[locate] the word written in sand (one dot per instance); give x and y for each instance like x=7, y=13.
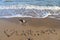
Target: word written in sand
x=30, y=32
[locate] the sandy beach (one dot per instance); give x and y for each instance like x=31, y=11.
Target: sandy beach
x=32, y=29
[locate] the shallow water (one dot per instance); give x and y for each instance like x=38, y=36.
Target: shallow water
x=30, y=8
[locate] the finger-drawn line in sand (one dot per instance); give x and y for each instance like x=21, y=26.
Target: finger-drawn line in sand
x=7, y=34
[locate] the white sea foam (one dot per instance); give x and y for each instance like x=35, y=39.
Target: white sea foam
x=30, y=7
x=37, y=11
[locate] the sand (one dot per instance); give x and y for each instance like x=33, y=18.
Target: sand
x=32, y=29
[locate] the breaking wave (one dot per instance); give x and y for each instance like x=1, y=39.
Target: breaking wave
x=26, y=6
x=31, y=11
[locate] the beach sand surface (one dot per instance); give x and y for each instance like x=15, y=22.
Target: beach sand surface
x=31, y=29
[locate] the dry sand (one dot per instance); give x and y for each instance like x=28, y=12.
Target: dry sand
x=32, y=29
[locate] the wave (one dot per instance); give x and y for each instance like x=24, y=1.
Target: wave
x=26, y=6
x=31, y=11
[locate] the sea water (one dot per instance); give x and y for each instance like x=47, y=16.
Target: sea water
x=29, y=8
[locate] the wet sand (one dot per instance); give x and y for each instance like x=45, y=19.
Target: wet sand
x=32, y=29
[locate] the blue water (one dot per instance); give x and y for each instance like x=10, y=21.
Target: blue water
x=31, y=2
x=34, y=13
